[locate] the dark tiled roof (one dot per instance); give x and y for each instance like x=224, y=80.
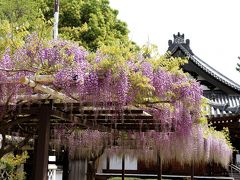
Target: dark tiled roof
x=224, y=111
x=213, y=72
x=223, y=105
x=185, y=48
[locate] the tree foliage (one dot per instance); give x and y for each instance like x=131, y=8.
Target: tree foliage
x=19, y=11
x=92, y=23
x=10, y=164
x=18, y=19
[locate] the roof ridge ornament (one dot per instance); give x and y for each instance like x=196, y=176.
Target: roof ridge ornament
x=178, y=38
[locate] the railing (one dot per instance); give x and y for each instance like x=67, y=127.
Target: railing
x=52, y=168
x=4, y=173
x=235, y=170
x=154, y=176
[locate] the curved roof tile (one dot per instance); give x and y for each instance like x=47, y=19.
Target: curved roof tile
x=207, y=68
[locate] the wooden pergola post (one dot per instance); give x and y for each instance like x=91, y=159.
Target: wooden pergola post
x=41, y=159
x=108, y=162
x=159, y=163
x=192, y=170
x=123, y=166
x=65, y=165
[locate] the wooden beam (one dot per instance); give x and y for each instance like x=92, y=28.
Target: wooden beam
x=115, y=117
x=43, y=78
x=74, y=119
x=36, y=78
x=46, y=89
x=35, y=97
x=135, y=126
x=101, y=110
x=120, y=121
x=12, y=122
x=90, y=104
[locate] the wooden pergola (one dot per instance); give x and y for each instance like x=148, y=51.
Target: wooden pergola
x=47, y=114
x=48, y=108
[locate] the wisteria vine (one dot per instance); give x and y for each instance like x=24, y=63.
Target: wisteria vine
x=171, y=97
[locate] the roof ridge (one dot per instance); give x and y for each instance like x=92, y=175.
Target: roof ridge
x=209, y=69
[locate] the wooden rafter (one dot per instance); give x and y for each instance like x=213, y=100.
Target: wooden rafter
x=46, y=89
x=74, y=119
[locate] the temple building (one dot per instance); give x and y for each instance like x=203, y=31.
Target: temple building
x=222, y=92
x=223, y=96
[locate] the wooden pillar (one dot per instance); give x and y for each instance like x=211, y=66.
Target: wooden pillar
x=108, y=163
x=123, y=166
x=65, y=165
x=159, y=162
x=192, y=170
x=41, y=160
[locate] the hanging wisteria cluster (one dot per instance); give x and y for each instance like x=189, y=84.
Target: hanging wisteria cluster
x=79, y=143
x=200, y=147
x=116, y=80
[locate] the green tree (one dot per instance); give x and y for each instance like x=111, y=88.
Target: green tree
x=18, y=18
x=11, y=163
x=19, y=11
x=92, y=23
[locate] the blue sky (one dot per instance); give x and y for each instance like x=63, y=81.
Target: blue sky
x=213, y=27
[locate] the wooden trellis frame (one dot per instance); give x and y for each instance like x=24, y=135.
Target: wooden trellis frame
x=59, y=108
